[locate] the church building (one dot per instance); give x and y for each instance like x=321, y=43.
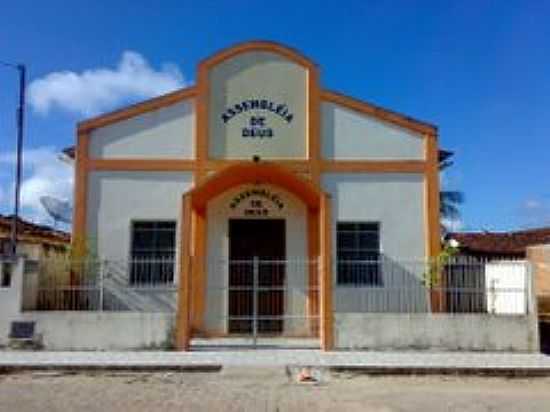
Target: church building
x=256, y=202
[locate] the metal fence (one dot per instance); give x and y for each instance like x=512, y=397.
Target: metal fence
x=282, y=296
x=459, y=285
x=103, y=285
x=262, y=298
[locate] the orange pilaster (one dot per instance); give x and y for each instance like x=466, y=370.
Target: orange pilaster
x=325, y=273
x=183, y=316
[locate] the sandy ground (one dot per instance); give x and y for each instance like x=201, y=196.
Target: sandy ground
x=265, y=389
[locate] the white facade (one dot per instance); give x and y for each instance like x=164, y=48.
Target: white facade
x=159, y=134
x=348, y=135
x=118, y=198
x=262, y=105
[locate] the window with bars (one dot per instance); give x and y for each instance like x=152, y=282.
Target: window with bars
x=358, y=253
x=153, y=252
x=5, y=274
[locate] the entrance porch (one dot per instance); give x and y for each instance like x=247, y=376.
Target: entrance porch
x=258, y=283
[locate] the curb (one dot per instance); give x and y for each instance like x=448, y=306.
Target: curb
x=507, y=372
x=11, y=368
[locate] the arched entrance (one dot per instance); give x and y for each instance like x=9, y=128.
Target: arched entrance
x=193, y=249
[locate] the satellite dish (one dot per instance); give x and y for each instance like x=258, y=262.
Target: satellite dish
x=59, y=210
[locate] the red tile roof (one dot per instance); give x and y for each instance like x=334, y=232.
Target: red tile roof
x=33, y=230
x=505, y=243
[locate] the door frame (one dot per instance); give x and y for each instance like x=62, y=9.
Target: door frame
x=255, y=261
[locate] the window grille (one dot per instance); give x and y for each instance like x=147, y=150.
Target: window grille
x=358, y=253
x=153, y=252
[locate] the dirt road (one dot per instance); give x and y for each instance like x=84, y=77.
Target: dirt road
x=267, y=389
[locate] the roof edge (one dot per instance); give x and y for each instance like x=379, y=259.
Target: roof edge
x=136, y=109
x=379, y=112
x=290, y=53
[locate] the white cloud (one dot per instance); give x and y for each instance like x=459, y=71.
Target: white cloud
x=532, y=204
x=43, y=174
x=452, y=225
x=96, y=90
x=535, y=212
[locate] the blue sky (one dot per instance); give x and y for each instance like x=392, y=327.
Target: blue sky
x=479, y=70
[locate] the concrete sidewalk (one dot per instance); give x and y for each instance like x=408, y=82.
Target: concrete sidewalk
x=361, y=362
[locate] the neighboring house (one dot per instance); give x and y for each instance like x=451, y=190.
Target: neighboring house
x=33, y=240
x=499, y=245
x=531, y=244
x=36, y=242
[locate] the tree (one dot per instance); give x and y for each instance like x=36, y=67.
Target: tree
x=449, y=200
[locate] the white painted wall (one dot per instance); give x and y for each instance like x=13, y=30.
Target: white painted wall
x=347, y=134
x=164, y=133
x=506, y=283
x=436, y=331
x=258, y=75
x=219, y=213
x=103, y=330
x=396, y=201
x=11, y=299
x=115, y=199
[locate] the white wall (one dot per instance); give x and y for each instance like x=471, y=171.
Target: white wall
x=115, y=199
x=164, y=133
x=506, y=283
x=347, y=134
x=11, y=300
x=396, y=201
x=103, y=330
x=436, y=331
x=258, y=75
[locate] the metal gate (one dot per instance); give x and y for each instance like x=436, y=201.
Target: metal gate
x=262, y=302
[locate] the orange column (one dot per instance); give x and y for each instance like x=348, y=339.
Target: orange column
x=432, y=197
x=81, y=191
x=325, y=273
x=313, y=270
x=433, y=236
x=199, y=272
x=183, y=315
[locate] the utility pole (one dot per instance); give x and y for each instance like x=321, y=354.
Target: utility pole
x=19, y=152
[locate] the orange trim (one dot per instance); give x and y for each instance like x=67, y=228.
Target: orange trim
x=432, y=219
x=298, y=166
x=432, y=197
x=325, y=273
x=198, y=297
x=378, y=112
x=256, y=45
x=145, y=165
x=81, y=188
x=375, y=166
x=202, y=132
x=201, y=123
x=248, y=172
x=183, y=315
x=313, y=272
x=136, y=109
x=314, y=129
x=238, y=174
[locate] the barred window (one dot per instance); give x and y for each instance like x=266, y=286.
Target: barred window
x=358, y=253
x=5, y=274
x=153, y=252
